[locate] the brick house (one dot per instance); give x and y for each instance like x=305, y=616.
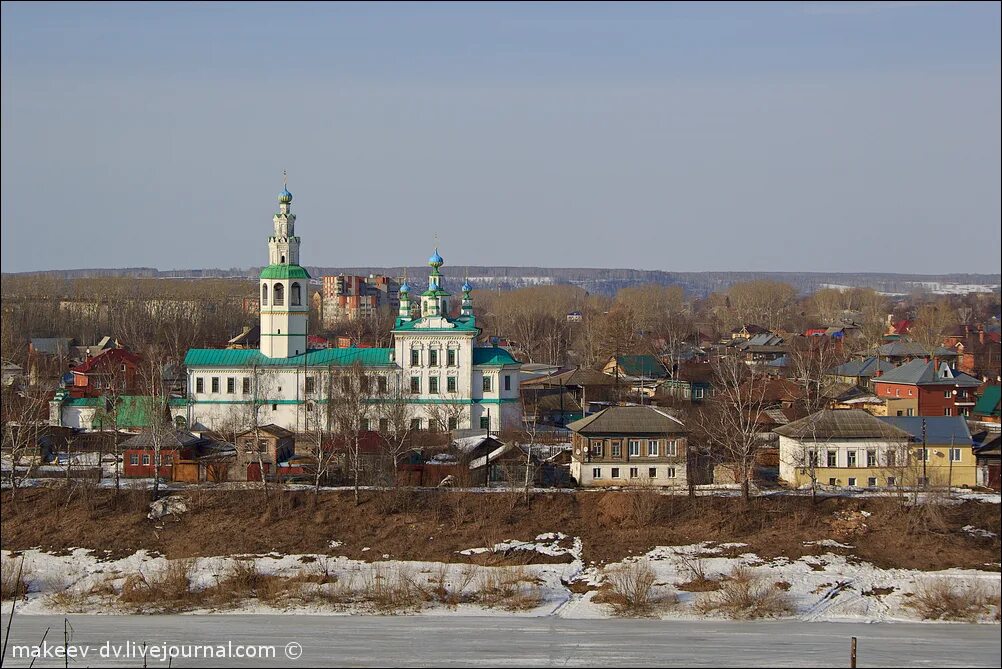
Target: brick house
x=264, y=446
x=114, y=368
x=920, y=388
x=629, y=445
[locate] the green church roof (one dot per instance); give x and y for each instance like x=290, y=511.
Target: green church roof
x=493, y=356
x=462, y=324
x=284, y=272
x=326, y=357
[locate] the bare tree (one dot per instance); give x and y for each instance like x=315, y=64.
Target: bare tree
x=394, y=415
x=351, y=395
x=931, y=324
x=728, y=423
x=24, y=421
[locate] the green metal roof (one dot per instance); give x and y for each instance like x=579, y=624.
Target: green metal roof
x=462, y=325
x=642, y=366
x=236, y=357
x=132, y=410
x=988, y=403
x=284, y=272
x=492, y=355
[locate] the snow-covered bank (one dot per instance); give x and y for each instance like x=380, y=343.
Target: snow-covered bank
x=826, y=587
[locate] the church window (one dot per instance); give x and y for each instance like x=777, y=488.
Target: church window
x=487, y=384
x=415, y=424
x=450, y=357
x=264, y=295
x=246, y=385
x=296, y=295
x=415, y=357
x=415, y=384
x=450, y=384
x=199, y=385
x=230, y=384
x=381, y=384
x=453, y=423
x=507, y=382
x=215, y=384
x=433, y=357
x=433, y=385
x=485, y=422
x=310, y=384
x=279, y=295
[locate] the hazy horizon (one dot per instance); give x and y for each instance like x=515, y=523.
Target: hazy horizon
x=814, y=137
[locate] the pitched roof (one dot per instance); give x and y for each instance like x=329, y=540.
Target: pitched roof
x=171, y=439
x=492, y=356
x=921, y=373
x=939, y=430
x=841, y=424
x=51, y=345
x=867, y=367
x=988, y=403
x=573, y=377
x=270, y=428
x=903, y=348
x=628, y=420
x=112, y=356
x=641, y=365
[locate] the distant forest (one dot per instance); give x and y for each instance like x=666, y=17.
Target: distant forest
x=595, y=280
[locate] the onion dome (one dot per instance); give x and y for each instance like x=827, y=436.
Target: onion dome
x=404, y=288
x=467, y=287
x=435, y=260
x=285, y=197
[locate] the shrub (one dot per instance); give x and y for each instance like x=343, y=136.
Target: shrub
x=509, y=588
x=744, y=594
x=169, y=589
x=14, y=575
x=632, y=591
x=693, y=567
x=945, y=599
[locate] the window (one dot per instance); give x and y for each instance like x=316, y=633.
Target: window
x=871, y=457
x=596, y=448
x=134, y=459
x=892, y=458
x=168, y=459
x=909, y=412
x=296, y=295
x=615, y=472
x=634, y=446
x=433, y=385
x=310, y=384
x=215, y=384
x=922, y=454
x=596, y=472
x=199, y=385
x=279, y=295
x=415, y=424
x=671, y=447
x=485, y=422
x=433, y=357
x=274, y=407
x=833, y=481
x=450, y=357
x=652, y=472
x=832, y=459
x=415, y=357
x=954, y=455
x=947, y=411
x=487, y=384
x=852, y=481
x=652, y=448
x=507, y=382
x=450, y=384
x=246, y=385
x=381, y=383
x=871, y=482
x=617, y=449
x=264, y=295
x=231, y=385
x=633, y=473
x=891, y=481
x=146, y=458
x=670, y=473
x=946, y=394
x=415, y=384
x=851, y=458
x=453, y=423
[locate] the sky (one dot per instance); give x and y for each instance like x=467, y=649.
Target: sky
x=856, y=137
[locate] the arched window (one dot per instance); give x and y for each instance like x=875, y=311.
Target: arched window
x=264, y=295
x=279, y=295
x=283, y=259
x=296, y=297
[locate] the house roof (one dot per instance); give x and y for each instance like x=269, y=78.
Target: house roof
x=867, y=367
x=641, y=365
x=133, y=411
x=908, y=349
x=573, y=377
x=841, y=424
x=270, y=428
x=988, y=403
x=51, y=345
x=939, y=430
x=493, y=356
x=628, y=420
x=112, y=356
x=278, y=271
x=921, y=373
x=170, y=439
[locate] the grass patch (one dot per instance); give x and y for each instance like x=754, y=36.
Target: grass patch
x=632, y=591
x=945, y=599
x=743, y=594
x=14, y=575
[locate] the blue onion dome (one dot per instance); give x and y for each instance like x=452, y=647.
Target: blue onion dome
x=285, y=197
x=467, y=287
x=435, y=260
x=404, y=288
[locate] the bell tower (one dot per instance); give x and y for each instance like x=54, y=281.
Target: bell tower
x=285, y=305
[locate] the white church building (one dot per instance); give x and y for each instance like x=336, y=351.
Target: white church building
x=435, y=366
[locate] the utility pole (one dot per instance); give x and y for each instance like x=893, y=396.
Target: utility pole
x=925, y=456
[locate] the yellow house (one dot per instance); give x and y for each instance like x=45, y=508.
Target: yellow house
x=852, y=448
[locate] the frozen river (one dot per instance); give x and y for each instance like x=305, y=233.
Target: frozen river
x=287, y=640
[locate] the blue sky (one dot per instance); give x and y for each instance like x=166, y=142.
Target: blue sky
x=815, y=136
